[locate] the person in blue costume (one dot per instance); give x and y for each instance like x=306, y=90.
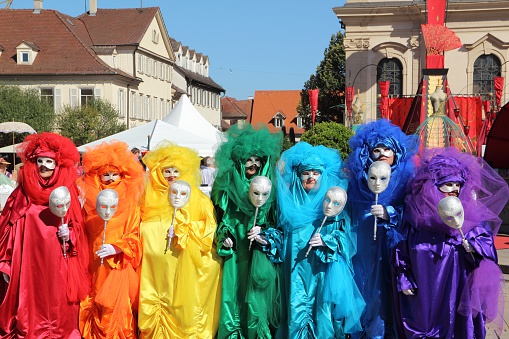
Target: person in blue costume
x=377, y=141
x=250, y=297
x=320, y=299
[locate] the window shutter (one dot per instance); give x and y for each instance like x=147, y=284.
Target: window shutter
x=57, y=100
x=73, y=95
x=97, y=93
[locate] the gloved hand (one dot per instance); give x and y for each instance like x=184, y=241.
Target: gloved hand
x=228, y=243
x=261, y=240
x=6, y=277
x=408, y=292
x=63, y=232
x=379, y=211
x=467, y=246
x=106, y=250
x=316, y=240
x=253, y=232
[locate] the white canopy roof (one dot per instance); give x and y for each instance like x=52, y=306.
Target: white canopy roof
x=184, y=115
x=158, y=130
x=9, y=149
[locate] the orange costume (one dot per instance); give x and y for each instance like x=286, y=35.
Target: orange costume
x=109, y=310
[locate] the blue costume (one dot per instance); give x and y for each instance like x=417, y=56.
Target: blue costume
x=372, y=263
x=320, y=298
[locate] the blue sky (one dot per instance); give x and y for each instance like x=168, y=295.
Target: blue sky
x=252, y=45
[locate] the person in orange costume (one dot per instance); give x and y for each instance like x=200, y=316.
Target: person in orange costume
x=109, y=310
x=40, y=289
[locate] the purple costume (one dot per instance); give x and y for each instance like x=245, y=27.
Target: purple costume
x=455, y=293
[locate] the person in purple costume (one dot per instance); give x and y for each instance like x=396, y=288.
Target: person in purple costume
x=449, y=287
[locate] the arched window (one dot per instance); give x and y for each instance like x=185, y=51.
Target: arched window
x=391, y=70
x=486, y=68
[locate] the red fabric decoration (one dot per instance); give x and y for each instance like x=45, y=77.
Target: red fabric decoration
x=383, y=105
x=313, y=101
x=471, y=113
x=436, y=11
x=439, y=38
x=499, y=87
x=398, y=110
x=350, y=92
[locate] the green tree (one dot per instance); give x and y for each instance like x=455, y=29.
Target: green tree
x=24, y=105
x=330, y=134
x=330, y=81
x=96, y=120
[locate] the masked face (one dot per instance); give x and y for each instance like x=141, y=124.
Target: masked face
x=259, y=190
x=106, y=204
x=171, y=173
x=379, y=174
x=109, y=177
x=383, y=153
x=450, y=189
x=46, y=166
x=334, y=202
x=309, y=178
x=60, y=201
x=180, y=192
x=252, y=165
x=451, y=212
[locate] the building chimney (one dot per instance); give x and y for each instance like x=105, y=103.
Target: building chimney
x=93, y=8
x=37, y=6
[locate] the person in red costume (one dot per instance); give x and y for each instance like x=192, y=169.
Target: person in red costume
x=40, y=290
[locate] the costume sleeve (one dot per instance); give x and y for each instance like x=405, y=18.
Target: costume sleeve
x=130, y=242
x=225, y=229
x=481, y=238
x=6, y=244
x=201, y=231
x=274, y=247
x=334, y=237
x=395, y=214
x=402, y=266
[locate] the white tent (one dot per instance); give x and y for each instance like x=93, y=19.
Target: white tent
x=185, y=116
x=158, y=130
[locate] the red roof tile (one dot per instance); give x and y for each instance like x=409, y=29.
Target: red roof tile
x=231, y=109
x=268, y=103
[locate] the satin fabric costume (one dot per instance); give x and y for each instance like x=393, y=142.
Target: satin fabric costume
x=42, y=297
x=372, y=264
x=108, y=312
x=180, y=288
x=321, y=299
x=458, y=290
x=250, y=297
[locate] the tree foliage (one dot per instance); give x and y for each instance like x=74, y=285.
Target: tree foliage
x=330, y=134
x=96, y=120
x=24, y=105
x=330, y=80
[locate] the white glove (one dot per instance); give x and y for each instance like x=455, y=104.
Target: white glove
x=408, y=292
x=253, y=232
x=467, y=246
x=106, y=250
x=63, y=232
x=228, y=243
x=6, y=277
x=261, y=240
x=316, y=240
x=379, y=211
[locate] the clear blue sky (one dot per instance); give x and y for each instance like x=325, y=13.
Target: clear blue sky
x=252, y=45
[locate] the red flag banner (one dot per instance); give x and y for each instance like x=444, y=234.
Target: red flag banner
x=499, y=87
x=313, y=101
x=383, y=105
x=350, y=92
x=436, y=11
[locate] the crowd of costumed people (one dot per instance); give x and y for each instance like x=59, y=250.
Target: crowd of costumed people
x=390, y=241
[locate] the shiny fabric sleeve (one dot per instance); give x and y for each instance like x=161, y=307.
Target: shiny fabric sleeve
x=481, y=239
x=273, y=249
x=6, y=246
x=402, y=267
x=332, y=249
x=225, y=230
x=130, y=242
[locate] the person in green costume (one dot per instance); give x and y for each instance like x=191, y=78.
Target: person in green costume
x=251, y=248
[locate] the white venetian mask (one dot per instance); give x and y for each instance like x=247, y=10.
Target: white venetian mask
x=60, y=201
x=253, y=161
x=47, y=162
x=379, y=151
x=106, y=203
x=110, y=176
x=171, y=172
x=379, y=174
x=451, y=212
x=259, y=190
x=334, y=202
x=449, y=187
x=180, y=193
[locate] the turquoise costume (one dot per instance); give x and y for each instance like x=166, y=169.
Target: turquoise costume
x=321, y=299
x=250, y=297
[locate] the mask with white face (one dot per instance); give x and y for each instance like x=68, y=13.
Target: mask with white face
x=110, y=176
x=106, y=204
x=60, y=201
x=180, y=193
x=449, y=187
x=171, y=172
x=47, y=162
x=451, y=212
x=259, y=190
x=379, y=174
x=334, y=202
x=314, y=174
x=253, y=161
x=379, y=151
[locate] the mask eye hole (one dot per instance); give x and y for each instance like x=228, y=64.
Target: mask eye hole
x=173, y=192
x=184, y=194
x=336, y=203
x=449, y=219
x=327, y=199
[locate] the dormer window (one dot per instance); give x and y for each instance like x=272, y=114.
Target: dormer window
x=26, y=53
x=298, y=121
x=278, y=120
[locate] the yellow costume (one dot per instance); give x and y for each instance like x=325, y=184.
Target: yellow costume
x=180, y=286
x=109, y=311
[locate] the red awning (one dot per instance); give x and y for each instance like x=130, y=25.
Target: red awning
x=496, y=153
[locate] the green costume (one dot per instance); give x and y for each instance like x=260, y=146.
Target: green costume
x=250, y=298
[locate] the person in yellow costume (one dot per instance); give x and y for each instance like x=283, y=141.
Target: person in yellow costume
x=109, y=310
x=180, y=275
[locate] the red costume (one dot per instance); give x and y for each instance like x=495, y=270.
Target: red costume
x=42, y=297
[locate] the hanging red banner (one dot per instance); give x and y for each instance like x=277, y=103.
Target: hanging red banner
x=349, y=99
x=383, y=105
x=313, y=101
x=499, y=87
